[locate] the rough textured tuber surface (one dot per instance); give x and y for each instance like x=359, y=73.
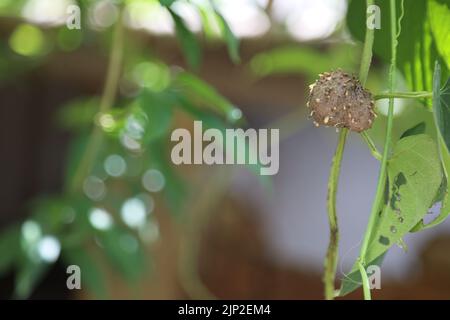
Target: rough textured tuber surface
x=338, y=99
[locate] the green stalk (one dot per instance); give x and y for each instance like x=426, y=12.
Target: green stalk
x=364, y=280
x=331, y=257
x=373, y=149
x=333, y=246
x=405, y=95
x=387, y=145
x=106, y=103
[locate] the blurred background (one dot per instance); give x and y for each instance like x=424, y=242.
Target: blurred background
x=140, y=227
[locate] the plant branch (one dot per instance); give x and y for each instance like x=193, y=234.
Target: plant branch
x=106, y=103
x=405, y=95
x=332, y=251
x=387, y=145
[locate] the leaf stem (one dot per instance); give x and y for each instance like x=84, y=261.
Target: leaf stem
x=106, y=103
x=405, y=95
x=333, y=246
x=372, y=147
x=387, y=144
x=364, y=280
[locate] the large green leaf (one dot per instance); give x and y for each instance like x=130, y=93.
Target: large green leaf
x=439, y=17
x=441, y=111
x=441, y=105
x=415, y=175
x=419, y=43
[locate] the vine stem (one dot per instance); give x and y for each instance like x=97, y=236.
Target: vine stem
x=364, y=280
x=387, y=144
x=405, y=95
x=106, y=103
x=333, y=246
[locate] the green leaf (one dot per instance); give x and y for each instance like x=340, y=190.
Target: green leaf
x=77, y=115
x=441, y=105
x=166, y=3
x=212, y=121
x=124, y=252
x=9, y=248
x=27, y=277
x=417, y=129
x=229, y=37
x=158, y=108
x=188, y=41
x=202, y=94
x=441, y=111
x=303, y=60
x=91, y=274
x=75, y=155
x=415, y=175
x=439, y=17
x=176, y=189
x=417, y=43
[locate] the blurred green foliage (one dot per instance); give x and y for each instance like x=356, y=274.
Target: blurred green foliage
x=110, y=219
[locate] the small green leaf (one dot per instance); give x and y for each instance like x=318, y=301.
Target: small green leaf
x=9, y=248
x=158, y=108
x=166, y=3
x=77, y=115
x=27, y=277
x=75, y=155
x=188, y=41
x=417, y=129
x=202, y=94
x=212, y=121
x=175, y=190
x=229, y=37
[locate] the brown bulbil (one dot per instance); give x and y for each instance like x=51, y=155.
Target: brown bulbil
x=338, y=99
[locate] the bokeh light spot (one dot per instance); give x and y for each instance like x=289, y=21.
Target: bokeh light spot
x=27, y=40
